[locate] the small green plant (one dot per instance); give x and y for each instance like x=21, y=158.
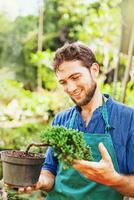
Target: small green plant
x=68, y=144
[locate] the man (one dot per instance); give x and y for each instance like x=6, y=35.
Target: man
x=108, y=127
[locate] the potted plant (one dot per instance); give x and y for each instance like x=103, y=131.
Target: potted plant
x=22, y=168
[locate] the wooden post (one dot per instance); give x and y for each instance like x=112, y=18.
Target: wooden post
x=128, y=67
x=40, y=45
x=116, y=69
x=40, y=29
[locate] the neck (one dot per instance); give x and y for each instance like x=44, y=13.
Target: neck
x=95, y=102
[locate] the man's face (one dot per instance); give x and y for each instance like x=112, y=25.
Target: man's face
x=77, y=81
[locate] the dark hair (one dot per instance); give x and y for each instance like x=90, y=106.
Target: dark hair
x=74, y=51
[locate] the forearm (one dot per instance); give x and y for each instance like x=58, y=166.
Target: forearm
x=46, y=180
x=125, y=185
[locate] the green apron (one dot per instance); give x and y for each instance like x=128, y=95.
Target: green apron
x=72, y=185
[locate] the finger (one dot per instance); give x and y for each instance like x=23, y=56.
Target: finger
x=104, y=153
x=84, y=164
x=21, y=189
x=38, y=185
x=29, y=189
x=76, y=162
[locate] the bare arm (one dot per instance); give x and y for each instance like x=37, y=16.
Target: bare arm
x=103, y=172
x=125, y=185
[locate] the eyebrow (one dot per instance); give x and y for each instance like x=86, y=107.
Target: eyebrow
x=70, y=76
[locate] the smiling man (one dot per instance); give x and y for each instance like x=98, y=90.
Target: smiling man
x=108, y=128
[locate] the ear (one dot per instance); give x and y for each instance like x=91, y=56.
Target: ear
x=94, y=70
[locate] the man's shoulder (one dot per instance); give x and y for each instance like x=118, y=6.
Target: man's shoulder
x=62, y=117
x=121, y=113
x=121, y=117
x=122, y=108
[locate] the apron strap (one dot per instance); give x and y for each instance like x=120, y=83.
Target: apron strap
x=105, y=117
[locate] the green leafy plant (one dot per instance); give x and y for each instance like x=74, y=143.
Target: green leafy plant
x=68, y=144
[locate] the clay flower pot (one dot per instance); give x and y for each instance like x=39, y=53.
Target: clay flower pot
x=20, y=168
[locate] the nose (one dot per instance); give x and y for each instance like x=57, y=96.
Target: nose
x=71, y=87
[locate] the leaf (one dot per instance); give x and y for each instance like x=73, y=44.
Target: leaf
x=68, y=144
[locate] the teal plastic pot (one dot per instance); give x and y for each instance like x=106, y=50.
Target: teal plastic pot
x=21, y=171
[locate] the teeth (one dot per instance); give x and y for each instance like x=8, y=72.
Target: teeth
x=77, y=93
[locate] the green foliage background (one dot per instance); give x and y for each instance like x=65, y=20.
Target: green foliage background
x=24, y=110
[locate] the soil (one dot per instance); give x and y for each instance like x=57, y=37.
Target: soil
x=23, y=154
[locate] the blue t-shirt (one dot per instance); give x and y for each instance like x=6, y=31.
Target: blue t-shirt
x=121, y=120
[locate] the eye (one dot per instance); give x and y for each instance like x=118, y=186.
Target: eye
x=62, y=83
x=75, y=77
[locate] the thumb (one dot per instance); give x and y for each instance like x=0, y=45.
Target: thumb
x=104, y=153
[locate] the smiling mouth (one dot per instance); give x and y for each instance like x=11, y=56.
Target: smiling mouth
x=76, y=95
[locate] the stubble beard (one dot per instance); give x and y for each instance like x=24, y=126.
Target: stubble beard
x=89, y=95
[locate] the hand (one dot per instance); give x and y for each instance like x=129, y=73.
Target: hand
x=46, y=182
x=30, y=189
x=102, y=172
x=27, y=189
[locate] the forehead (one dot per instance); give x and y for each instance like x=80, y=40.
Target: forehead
x=69, y=68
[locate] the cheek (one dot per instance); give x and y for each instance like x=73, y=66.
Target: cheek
x=64, y=87
x=65, y=90
x=86, y=82
x=87, y=85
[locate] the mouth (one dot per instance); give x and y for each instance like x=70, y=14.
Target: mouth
x=76, y=95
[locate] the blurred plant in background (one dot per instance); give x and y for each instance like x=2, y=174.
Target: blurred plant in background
x=30, y=95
